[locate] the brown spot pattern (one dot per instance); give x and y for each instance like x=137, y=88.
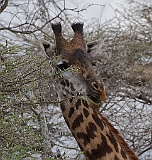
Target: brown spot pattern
x=85, y=103
x=78, y=103
x=91, y=129
x=119, y=138
x=116, y=158
x=71, y=112
x=101, y=150
x=113, y=141
x=86, y=112
x=104, y=146
x=85, y=137
x=123, y=154
x=77, y=122
x=98, y=121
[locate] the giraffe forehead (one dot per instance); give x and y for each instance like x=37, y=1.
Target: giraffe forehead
x=79, y=56
x=76, y=66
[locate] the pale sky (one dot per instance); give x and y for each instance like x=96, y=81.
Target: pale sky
x=102, y=7
x=96, y=10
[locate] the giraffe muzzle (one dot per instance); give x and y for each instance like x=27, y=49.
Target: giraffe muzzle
x=97, y=94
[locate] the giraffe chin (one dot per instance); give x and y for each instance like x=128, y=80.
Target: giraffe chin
x=94, y=104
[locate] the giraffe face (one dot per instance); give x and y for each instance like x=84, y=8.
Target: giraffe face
x=77, y=76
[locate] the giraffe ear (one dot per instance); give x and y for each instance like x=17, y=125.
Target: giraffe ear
x=47, y=48
x=94, y=47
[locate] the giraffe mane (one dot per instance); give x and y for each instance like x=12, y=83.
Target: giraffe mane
x=119, y=138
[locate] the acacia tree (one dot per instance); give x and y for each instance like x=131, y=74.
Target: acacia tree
x=27, y=93
x=31, y=121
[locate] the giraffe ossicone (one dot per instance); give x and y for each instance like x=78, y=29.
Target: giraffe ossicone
x=81, y=92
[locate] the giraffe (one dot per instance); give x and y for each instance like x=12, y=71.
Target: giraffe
x=81, y=93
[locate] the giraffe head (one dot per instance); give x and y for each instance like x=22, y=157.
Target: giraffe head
x=75, y=65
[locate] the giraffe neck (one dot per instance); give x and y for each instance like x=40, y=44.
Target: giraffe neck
x=75, y=111
x=119, y=138
x=91, y=132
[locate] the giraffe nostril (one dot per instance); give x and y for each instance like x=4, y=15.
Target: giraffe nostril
x=99, y=90
x=95, y=85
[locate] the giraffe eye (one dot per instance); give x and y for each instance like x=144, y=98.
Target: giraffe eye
x=63, y=65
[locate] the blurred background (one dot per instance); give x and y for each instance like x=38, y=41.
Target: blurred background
x=31, y=122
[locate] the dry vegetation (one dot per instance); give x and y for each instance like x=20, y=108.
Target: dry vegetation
x=30, y=119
